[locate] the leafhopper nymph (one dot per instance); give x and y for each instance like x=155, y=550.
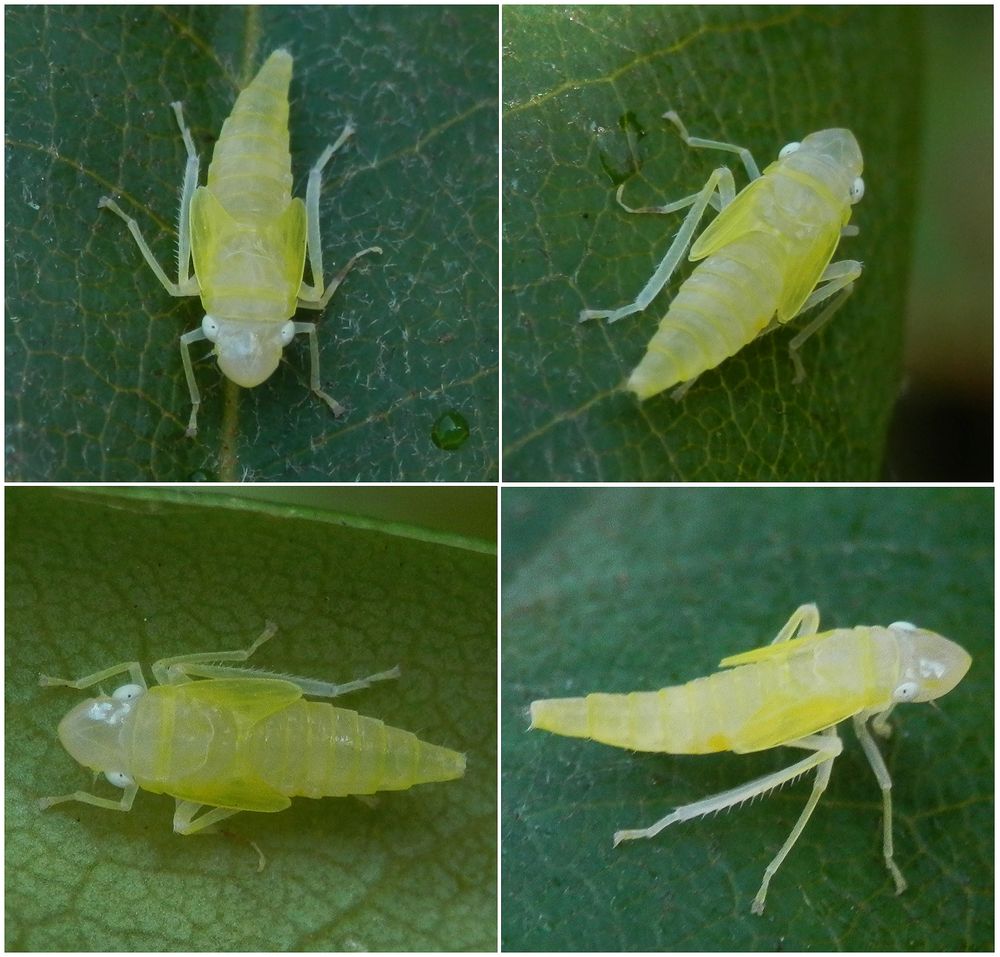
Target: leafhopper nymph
x=221, y=739
x=248, y=239
x=765, y=259
x=791, y=693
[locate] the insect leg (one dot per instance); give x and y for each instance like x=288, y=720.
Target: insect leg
x=326, y=689
x=696, y=142
x=176, y=670
x=309, y=328
x=313, y=188
x=324, y=299
x=125, y=804
x=881, y=724
x=720, y=179
x=195, y=335
x=186, y=810
x=804, y=620
x=716, y=202
x=182, y=668
x=885, y=783
x=825, y=746
x=190, y=286
x=826, y=756
x=183, y=824
x=837, y=277
x=132, y=667
x=187, y=193
x=313, y=296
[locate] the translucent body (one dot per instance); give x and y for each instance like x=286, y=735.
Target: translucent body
x=248, y=235
x=248, y=744
x=763, y=255
x=766, y=258
x=248, y=240
x=236, y=742
x=753, y=706
x=791, y=693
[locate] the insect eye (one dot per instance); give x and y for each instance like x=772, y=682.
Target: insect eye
x=788, y=149
x=906, y=691
x=904, y=625
x=287, y=333
x=857, y=190
x=119, y=779
x=210, y=327
x=127, y=692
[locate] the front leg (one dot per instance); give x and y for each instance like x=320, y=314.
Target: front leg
x=85, y=797
x=309, y=328
x=885, y=783
x=132, y=667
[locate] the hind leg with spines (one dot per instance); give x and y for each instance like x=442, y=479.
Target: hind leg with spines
x=187, y=283
x=721, y=179
x=183, y=668
x=831, y=746
x=825, y=747
x=313, y=296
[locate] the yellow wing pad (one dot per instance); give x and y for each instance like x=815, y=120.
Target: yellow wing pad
x=778, y=652
x=251, y=698
x=804, y=272
x=254, y=699
x=287, y=236
x=735, y=221
x=243, y=794
x=778, y=724
x=211, y=227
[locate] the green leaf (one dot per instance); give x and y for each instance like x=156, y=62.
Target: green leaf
x=584, y=91
x=93, y=580
x=95, y=386
x=628, y=590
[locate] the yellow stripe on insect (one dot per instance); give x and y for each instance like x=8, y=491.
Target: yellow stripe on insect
x=238, y=740
x=766, y=258
x=791, y=693
x=249, y=239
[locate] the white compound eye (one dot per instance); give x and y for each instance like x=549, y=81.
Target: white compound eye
x=904, y=625
x=128, y=692
x=857, y=190
x=788, y=149
x=907, y=691
x=119, y=779
x=210, y=326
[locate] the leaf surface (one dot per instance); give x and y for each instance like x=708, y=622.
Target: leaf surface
x=584, y=92
x=92, y=580
x=95, y=385
x=628, y=590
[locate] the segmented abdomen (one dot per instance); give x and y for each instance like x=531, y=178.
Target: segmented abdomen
x=312, y=749
x=251, y=168
x=726, y=302
x=730, y=710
